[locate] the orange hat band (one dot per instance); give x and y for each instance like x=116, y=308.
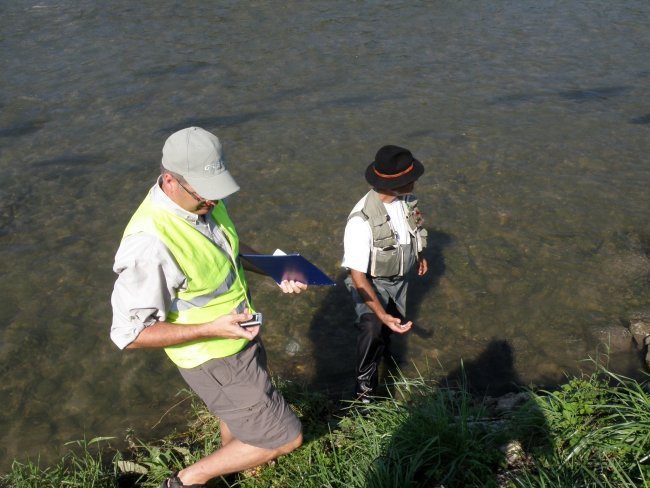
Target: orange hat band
x=382, y=175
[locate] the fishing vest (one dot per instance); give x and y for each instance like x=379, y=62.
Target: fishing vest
x=387, y=257
x=215, y=282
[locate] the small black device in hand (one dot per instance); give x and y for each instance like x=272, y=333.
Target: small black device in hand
x=256, y=320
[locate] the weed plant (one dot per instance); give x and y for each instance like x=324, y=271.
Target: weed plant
x=597, y=434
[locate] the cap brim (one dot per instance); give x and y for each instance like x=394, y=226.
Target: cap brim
x=391, y=183
x=214, y=187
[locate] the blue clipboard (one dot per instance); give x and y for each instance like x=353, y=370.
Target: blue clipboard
x=289, y=267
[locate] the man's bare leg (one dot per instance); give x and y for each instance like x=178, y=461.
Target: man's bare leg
x=233, y=457
x=226, y=435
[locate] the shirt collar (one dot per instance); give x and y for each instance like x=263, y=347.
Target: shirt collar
x=159, y=197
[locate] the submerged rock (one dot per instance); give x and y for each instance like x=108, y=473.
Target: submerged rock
x=616, y=337
x=640, y=330
x=506, y=403
x=292, y=348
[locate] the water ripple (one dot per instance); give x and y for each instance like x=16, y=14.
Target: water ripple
x=643, y=120
x=217, y=121
x=23, y=129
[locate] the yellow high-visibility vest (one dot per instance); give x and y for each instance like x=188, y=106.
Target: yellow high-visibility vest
x=216, y=283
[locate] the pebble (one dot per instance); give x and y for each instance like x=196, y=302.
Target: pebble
x=292, y=348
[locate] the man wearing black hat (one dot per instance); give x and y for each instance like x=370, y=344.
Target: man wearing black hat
x=383, y=242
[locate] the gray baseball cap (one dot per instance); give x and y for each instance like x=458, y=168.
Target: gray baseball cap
x=197, y=156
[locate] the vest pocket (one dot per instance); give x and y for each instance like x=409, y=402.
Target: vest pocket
x=421, y=239
x=386, y=261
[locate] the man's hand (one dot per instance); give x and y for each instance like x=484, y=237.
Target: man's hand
x=394, y=324
x=423, y=267
x=227, y=326
x=291, y=286
x=164, y=334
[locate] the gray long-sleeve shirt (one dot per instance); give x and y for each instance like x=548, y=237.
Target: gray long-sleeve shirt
x=148, y=276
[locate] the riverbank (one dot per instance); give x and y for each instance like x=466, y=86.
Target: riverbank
x=592, y=431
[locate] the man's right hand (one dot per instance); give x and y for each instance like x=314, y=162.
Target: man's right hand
x=395, y=324
x=227, y=326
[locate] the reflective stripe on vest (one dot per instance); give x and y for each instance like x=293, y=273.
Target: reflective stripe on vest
x=201, y=301
x=216, y=283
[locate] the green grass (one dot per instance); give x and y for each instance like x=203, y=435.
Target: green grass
x=592, y=431
x=85, y=465
x=598, y=434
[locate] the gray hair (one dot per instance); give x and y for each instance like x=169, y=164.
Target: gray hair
x=164, y=170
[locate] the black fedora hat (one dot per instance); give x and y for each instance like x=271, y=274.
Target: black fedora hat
x=393, y=167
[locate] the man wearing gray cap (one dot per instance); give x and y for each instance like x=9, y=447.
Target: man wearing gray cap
x=181, y=286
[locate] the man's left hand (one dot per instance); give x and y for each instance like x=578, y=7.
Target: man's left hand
x=291, y=286
x=423, y=267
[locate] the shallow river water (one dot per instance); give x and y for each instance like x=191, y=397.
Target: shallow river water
x=532, y=119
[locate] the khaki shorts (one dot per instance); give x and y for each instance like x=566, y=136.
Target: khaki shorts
x=238, y=390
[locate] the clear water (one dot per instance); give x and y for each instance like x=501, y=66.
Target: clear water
x=532, y=119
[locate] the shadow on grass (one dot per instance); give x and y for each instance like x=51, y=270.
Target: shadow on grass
x=492, y=373
x=450, y=436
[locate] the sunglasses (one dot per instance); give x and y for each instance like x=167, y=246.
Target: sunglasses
x=196, y=196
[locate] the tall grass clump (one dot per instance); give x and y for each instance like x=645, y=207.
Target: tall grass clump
x=598, y=434
x=439, y=437
x=84, y=466
x=419, y=436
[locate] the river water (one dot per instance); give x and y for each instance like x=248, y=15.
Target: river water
x=532, y=119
